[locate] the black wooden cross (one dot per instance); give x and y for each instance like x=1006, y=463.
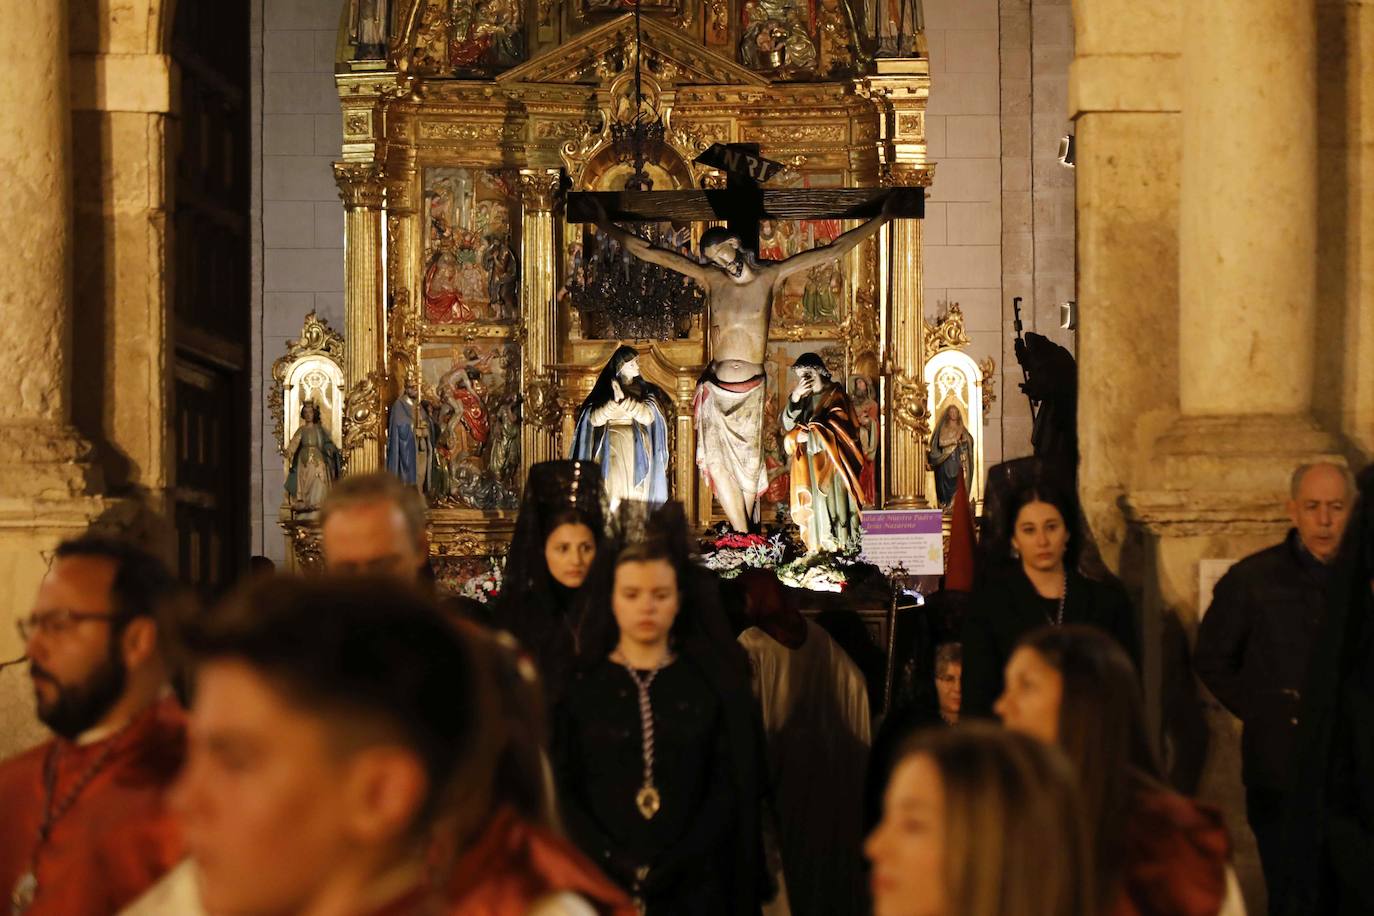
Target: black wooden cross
x=742, y=203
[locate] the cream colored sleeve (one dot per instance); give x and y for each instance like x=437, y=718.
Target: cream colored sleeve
x=563, y=903
x=1233, y=904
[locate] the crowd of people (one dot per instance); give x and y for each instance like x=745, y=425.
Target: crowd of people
x=620, y=732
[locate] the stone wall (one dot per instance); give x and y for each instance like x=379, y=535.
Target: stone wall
x=1037, y=191
x=299, y=238
x=963, y=227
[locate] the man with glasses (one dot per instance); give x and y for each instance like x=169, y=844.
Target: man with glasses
x=84, y=828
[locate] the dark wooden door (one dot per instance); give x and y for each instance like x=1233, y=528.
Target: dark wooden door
x=212, y=336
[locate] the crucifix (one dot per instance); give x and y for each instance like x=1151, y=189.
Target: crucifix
x=729, y=403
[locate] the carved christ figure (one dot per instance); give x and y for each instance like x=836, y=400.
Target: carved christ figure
x=729, y=402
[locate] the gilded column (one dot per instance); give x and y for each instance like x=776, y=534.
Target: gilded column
x=361, y=189
x=900, y=90
x=907, y=426
x=539, y=306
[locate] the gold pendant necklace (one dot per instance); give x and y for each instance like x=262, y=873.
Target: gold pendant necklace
x=647, y=799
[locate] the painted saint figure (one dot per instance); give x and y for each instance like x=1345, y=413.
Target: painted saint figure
x=313, y=461
x=408, y=438
x=951, y=454
x=822, y=440
x=367, y=28
x=623, y=425
x=729, y=404
x=870, y=431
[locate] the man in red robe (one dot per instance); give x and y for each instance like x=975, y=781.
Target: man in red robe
x=84, y=828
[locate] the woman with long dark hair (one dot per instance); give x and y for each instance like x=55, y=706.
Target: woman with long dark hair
x=1043, y=586
x=657, y=744
x=1158, y=853
x=557, y=534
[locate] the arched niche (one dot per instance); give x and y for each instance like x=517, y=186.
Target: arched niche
x=952, y=378
x=311, y=370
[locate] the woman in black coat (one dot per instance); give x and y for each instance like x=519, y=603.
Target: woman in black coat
x=1042, y=588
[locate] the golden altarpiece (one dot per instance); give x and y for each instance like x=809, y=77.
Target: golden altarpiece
x=459, y=144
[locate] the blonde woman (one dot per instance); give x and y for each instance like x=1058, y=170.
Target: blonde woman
x=978, y=821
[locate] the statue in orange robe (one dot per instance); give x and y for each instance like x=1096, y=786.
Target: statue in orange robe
x=116, y=838
x=822, y=440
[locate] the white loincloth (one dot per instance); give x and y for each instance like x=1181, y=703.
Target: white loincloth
x=730, y=435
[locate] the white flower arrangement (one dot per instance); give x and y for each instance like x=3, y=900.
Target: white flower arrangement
x=485, y=586
x=754, y=551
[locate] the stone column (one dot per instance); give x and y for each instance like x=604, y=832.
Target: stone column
x=361, y=189
x=40, y=454
x=542, y=414
x=47, y=486
x=1247, y=243
x=1247, y=229
x=900, y=90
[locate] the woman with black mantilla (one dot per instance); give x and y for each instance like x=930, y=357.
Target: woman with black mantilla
x=557, y=534
x=657, y=742
x=1043, y=586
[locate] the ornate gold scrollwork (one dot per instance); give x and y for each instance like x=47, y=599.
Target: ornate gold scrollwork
x=890, y=176
x=305, y=545
x=575, y=153
x=543, y=407
x=946, y=332
x=860, y=328
x=360, y=184
x=317, y=338
x=363, y=411
x=462, y=545
x=403, y=333
x=538, y=188
x=909, y=405
x=988, y=367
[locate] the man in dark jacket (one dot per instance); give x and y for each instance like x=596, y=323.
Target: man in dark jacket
x=1254, y=642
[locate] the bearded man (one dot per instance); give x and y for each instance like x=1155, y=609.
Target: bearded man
x=85, y=828
x=822, y=439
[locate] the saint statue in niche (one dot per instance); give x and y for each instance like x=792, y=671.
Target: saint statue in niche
x=313, y=461
x=950, y=455
x=367, y=28
x=822, y=440
x=623, y=425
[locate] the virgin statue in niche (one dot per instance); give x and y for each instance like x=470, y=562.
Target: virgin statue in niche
x=313, y=461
